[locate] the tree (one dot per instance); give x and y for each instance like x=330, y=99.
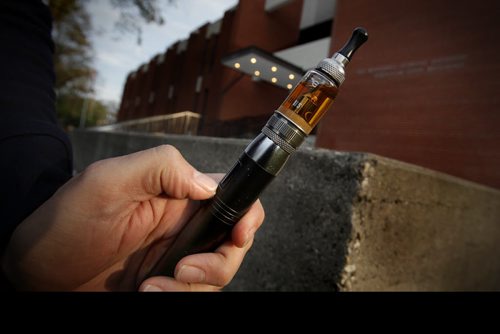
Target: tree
x=73, y=56
x=75, y=75
x=70, y=108
x=147, y=11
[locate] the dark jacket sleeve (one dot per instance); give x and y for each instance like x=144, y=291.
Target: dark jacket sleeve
x=35, y=154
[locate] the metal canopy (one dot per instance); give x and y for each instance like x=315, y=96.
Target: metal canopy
x=261, y=65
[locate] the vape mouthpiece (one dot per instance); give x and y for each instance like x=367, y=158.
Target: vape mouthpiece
x=335, y=66
x=359, y=36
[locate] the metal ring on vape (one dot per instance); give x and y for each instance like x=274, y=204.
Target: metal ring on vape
x=336, y=70
x=224, y=213
x=283, y=133
x=287, y=130
x=278, y=140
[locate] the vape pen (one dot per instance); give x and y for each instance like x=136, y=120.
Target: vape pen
x=263, y=158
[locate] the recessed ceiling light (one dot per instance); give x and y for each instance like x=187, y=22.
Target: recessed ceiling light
x=274, y=68
x=291, y=77
x=274, y=80
x=253, y=60
x=289, y=86
x=256, y=73
x=237, y=65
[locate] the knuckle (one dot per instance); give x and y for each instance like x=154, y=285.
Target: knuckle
x=92, y=173
x=262, y=214
x=259, y=213
x=93, y=167
x=168, y=150
x=259, y=208
x=249, y=245
x=225, y=276
x=224, y=273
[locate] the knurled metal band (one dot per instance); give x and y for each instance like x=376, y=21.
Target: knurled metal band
x=332, y=69
x=283, y=133
x=278, y=140
x=282, y=127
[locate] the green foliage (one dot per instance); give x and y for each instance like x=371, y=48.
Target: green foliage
x=71, y=107
x=73, y=49
x=75, y=75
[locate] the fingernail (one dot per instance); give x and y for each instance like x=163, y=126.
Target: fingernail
x=151, y=288
x=205, y=182
x=248, y=236
x=190, y=274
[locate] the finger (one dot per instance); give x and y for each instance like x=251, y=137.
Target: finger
x=152, y=172
x=217, y=269
x=217, y=177
x=220, y=267
x=160, y=283
x=245, y=229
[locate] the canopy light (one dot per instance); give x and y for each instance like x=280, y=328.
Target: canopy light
x=264, y=66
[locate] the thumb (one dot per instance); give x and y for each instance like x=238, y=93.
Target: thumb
x=171, y=174
x=159, y=170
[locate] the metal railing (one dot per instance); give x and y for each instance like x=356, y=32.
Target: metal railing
x=185, y=122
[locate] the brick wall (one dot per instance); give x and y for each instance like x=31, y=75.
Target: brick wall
x=424, y=89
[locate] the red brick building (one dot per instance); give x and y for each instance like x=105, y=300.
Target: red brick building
x=190, y=75
x=424, y=89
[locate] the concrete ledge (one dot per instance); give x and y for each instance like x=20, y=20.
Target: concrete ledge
x=348, y=221
x=416, y=229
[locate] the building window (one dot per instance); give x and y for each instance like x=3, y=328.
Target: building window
x=271, y=5
x=212, y=52
x=170, y=92
x=214, y=29
x=199, y=82
x=182, y=46
x=315, y=32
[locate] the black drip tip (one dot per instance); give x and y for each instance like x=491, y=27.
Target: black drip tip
x=359, y=36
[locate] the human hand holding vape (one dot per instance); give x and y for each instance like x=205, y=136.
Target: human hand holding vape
x=263, y=158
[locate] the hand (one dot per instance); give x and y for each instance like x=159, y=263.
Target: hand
x=106, y=228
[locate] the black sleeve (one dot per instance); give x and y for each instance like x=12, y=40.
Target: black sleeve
x=35, y=154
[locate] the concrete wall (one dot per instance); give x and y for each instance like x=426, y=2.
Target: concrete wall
x=348, y=221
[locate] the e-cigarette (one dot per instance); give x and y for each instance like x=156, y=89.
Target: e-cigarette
x=263, y=158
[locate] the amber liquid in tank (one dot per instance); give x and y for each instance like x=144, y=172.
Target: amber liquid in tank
x=307, y=103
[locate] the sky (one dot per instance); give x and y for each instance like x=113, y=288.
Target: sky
x=116, y=54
